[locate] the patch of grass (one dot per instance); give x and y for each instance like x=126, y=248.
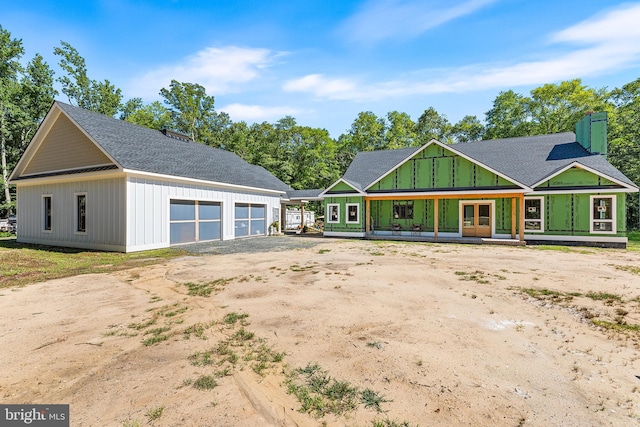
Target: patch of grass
x=389, y=423
x=157, y=337
x=24, y=264
x=559, y=248
x=205, y=382
x=205, y=289
x=297, y=268
x=619, y=327
x=197, y=329
x=608, y=298
x=477, y=276
x=232, y=318
x=155, y=413
x=633, y=269
x=324, y=251
x=143, y=325
x=319, y=394
x=371, y=400
x=374, y=344
x=131, y=423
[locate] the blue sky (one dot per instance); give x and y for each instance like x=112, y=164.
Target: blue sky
x=325, y=61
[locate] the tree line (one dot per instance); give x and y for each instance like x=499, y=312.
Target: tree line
x=301, y=156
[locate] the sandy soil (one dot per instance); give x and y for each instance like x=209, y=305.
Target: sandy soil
x=444, y=332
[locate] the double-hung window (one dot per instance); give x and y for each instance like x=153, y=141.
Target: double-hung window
x=403, y=209
x=353, y=213
x=603, y=214
x=533, y=214
x=333, y=213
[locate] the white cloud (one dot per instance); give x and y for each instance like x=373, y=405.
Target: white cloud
x=218, y=70
x=382, y=19
x=258, y=113
x=607, y=43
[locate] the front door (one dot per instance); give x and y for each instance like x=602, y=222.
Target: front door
x=476, y=221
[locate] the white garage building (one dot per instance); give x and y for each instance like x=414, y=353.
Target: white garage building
x=91, y=181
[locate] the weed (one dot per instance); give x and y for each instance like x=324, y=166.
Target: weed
x=243, y=335
x=205, y=289
x=324, y=251
x=155, y=298
x=197, y=330
x=155, y=339
x=604, y=296
x=389, y=423
x=232, y=318
x=620, y=327
x=131, y=423
x=205, y=382
x=297, y=268
x=629, y=268
x=142, y=325
x=374, y=344
x=371, y=400
x=155, y=413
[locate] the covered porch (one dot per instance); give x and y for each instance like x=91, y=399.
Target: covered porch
x=497, y=218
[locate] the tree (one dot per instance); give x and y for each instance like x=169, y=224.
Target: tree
x=101, y=97
x=555, y=108
x=433, y=125
x=509, y=116
x=400, y=131
x=624, y=142
x=467, y=129
x=190, y=107
x=11, y=50
x=153, y=116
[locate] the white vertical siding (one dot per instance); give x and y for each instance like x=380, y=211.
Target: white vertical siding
x=149, y=209
x=105, y=214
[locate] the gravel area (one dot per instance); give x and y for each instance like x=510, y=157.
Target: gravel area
x=255, y=244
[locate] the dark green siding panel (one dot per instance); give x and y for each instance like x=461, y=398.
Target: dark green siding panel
x=464, y=173
x=405, y=175
x=433, y=150
x=574, y=177
x=448, y=212
x=484, y=178
x=503, y=182
x=388, y=182
x=581, y=211
x=559, y=213
x=443, y=167
x=424, y=173
x=342, y=226
x=621, y=218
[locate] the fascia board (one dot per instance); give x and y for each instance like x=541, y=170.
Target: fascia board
x=142, y=174
x=324, y=193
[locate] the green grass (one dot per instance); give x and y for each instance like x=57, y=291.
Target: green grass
x=155, y=413
x=25, y=264
x=232, y=318
x=619, y=327
x=319, y=394
x=205, y=382
x=205, y=289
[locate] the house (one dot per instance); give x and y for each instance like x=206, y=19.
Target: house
x=548, y=188
x=90, y=181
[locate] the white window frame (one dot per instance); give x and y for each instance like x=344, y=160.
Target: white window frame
x=357, y=221
x=76, y=218
x=593, y=220
x=541, y=220
x=44, y=214
x=330, y=206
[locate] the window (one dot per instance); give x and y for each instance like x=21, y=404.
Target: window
x=81, y=213
x=46, y=213
x=533, y=214
x=403, y=209
x=250, y=220
x=333, y=213
x=353, y=213
x=603, y=214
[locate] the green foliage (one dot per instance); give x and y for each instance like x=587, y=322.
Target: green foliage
x=99, y=96
x=205, y=382
x=190, y=107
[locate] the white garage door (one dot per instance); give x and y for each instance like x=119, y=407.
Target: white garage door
x=194, y=221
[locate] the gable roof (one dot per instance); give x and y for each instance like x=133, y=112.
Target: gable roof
x=136, y=148
x=527, y=160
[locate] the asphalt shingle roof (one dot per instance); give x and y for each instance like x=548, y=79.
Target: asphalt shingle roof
x=142, y=149
x=527, y=160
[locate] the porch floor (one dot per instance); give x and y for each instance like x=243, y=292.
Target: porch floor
x=469, y=240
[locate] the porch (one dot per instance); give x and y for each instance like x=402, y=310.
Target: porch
x=384, y=235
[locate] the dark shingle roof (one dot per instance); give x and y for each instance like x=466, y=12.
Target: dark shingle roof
x=368, y=166
x=527, y=160
x=304, y=194
x=142, y=149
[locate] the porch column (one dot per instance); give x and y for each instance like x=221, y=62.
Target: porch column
x=302, y=221
x=513, y=217
x=435, y=218
x=521, y=218
x=367, y=218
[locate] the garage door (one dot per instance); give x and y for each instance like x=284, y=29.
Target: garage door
x=194, y=221
x=250, y=220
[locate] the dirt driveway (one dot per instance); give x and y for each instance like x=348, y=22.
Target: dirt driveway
x=423, y=334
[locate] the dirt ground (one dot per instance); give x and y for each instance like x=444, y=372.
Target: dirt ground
x=446, y=334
